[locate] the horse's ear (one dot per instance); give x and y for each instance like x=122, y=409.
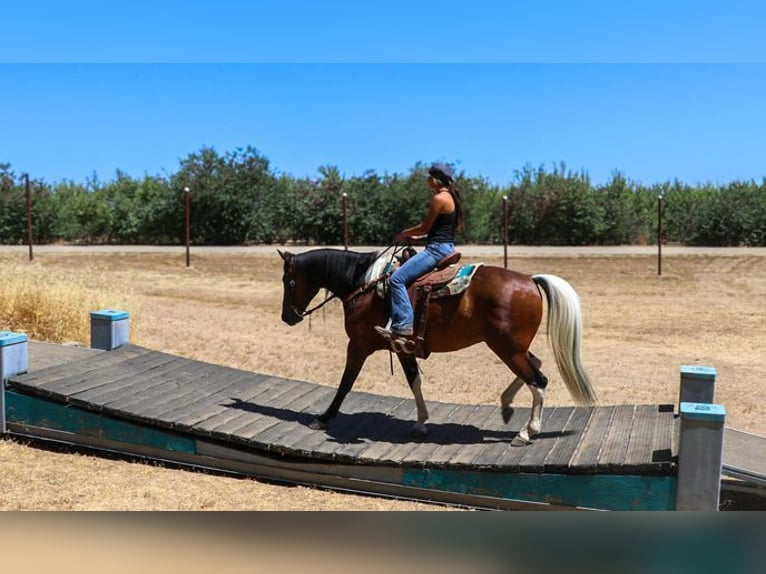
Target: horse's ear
x=283, y=255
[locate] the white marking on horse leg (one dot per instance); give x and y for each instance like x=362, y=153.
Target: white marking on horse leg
x=533, y=425
x=419, y=429
x=535, y=420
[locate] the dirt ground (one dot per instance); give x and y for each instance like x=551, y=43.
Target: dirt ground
x=639, y=329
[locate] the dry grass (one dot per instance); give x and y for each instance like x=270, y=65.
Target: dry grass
x=53, y=305
x=639, y=329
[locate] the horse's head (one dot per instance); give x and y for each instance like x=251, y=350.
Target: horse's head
x=297, y=290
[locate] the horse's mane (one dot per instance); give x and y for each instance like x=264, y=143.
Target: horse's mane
x=338, y=270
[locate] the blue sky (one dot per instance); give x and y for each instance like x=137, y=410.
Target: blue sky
x=655, y=90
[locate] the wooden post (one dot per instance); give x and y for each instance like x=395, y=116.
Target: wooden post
x=13, y=360
x=187, y=217
x=659, y=234
x=697, y=384
x=109, y=329
x=505, y=231
x=28, y=193
x=700, y=456
x=345, y=221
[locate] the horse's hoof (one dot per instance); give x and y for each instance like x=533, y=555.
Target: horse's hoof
x=507, y=413
x=418, y=431
x=521, y=440
x=318, y=424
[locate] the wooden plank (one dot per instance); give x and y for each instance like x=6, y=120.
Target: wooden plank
x=499, y=447
x=641, y=443
x=456, y=436
x=39, y=381
x=389, y=425
x=404, y=451
x=249, y=415
x=552, y=430
x=662, y=443
x=438, y=427
x=611, y=458
x=362, y=429
x=585, y=458
x=103, y=394
x=191, y=413
x=44, y=355
x=184, y=370
x=505, y=455
x=377, y=427
x=392, y=424
x=266, y=419
x=675, y=437
x=104, y=374
x=229, y=384
x=59, y=376
x=185, y=412
x=124, y=389
x=560, y=458
x=91, y=362
x=471, y=449
x=150, y=394
x=745, y=454
x=200, y=419
x=294, y=421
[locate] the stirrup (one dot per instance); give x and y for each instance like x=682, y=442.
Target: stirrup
x=403, y=345
x=389, y=334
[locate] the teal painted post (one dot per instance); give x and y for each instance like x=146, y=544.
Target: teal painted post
x=109, y=329
x=697, y=384
x=700, y=456
x=14, y=358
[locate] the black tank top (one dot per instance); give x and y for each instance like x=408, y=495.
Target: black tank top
x=443, y=229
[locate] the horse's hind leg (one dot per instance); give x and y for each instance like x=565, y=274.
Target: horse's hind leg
x=534, y=423
x=412, y=372
x=506, y=399
x=526, y=366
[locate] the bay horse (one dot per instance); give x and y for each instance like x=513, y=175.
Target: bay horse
x=500, y=307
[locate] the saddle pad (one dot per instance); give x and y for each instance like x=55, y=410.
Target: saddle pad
x=383, y=265
x=457, y=285
x=462, y=279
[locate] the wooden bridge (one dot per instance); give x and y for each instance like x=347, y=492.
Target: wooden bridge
x=136, y=401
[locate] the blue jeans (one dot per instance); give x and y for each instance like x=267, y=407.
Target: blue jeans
x=402, y=315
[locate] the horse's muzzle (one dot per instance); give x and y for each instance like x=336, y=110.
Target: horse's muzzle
x=292, y=316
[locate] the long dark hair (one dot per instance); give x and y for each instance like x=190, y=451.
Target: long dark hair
x=444, y=175
x=455, y=193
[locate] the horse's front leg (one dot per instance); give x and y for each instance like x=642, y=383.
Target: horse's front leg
x=412, y=372
x=355, y=358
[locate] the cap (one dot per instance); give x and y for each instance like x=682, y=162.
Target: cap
x=442, y=172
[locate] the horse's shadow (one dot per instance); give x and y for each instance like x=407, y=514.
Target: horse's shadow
x=352, y=428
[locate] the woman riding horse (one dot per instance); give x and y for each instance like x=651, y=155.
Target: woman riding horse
x=500, y=307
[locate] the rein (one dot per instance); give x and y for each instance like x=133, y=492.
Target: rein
x=363, y=289
x=308, y=312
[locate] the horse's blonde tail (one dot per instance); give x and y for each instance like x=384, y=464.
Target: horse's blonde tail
x=565, y=336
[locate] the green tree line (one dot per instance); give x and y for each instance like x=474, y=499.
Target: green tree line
x=237, y=198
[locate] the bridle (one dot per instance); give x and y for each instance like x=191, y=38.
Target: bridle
x=363, y=289
x=292, y=306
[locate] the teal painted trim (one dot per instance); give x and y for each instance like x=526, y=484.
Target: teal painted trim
x=600, y=491
x=698, y=371
x=39, y=412
x=11, y=338
x=110, y=314
x=703, y=412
